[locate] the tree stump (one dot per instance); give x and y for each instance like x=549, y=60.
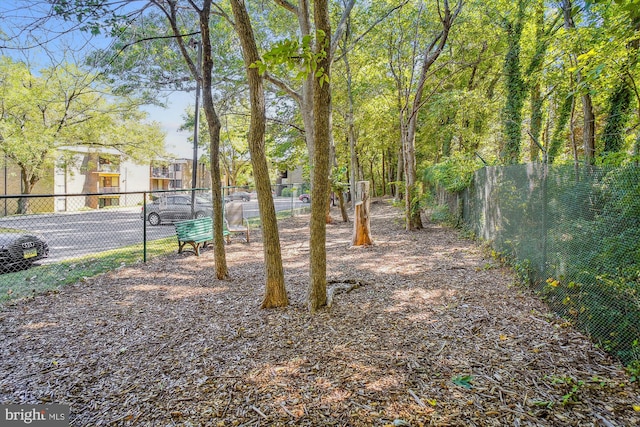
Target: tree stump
x=361, y=224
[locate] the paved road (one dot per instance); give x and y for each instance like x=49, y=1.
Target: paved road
x=70, y=235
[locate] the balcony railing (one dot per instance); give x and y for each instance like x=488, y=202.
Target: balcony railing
x=163, y=175
x=109, y=168
x=109, y=189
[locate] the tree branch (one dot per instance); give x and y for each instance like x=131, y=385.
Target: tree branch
x=342, y=25
x=368, y=30
x=283, y=86
x=290, y=7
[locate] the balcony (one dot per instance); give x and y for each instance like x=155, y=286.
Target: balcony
x=160, y=173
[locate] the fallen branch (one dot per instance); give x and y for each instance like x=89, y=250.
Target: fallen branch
x=416, y=398
x=259, y=411
x=284, y=408
x=342, y=286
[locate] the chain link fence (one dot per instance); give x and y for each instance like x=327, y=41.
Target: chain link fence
x=572, y=234
x=50, y=240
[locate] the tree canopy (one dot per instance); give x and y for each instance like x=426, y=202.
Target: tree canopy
x=63, y=106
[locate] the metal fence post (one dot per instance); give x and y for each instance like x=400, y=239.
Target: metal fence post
x=144, y=227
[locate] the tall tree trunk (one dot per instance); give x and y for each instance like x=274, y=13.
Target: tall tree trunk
x=214, y=125
x=412, y=191
x=410, y=117
x=351, y=132
x=275, y=291
x=317, y=295
x=572, y=133
x=588, y=128
x=536, y=121
x=515, y=86
x=533, y=73
x=383, y=174
x=399, y=192
x=619, y=109
x=351, y=128
x=213, y=121
x=563, y=116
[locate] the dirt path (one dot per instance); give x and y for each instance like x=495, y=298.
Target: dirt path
x=437, y=335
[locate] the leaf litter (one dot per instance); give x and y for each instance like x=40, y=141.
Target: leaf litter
x=424, y=329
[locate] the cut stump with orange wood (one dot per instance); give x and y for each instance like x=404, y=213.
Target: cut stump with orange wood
x=361, y=223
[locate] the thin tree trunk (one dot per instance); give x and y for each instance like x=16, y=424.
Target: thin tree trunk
x=351, y=133
x=409, y=119
x=536, y=121
x=382, y=175
x=588, y=128
x=343, y=207
x=213, y=122
x=317, y=295
x=399, y=176
x=515, y=87
x=275, y=291
x=572, y=132
x=373, y=178
x=214, y=125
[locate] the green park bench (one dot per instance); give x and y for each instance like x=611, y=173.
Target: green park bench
x=195, y=232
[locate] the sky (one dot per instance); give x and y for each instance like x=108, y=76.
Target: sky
x=170, y=118
x=18, y=28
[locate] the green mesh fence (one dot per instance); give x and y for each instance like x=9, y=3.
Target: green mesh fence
x=574, y=235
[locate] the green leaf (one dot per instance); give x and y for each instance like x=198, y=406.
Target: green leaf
x=463, y=381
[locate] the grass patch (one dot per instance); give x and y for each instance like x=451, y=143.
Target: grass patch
x=14, y=230
x=50, y=277
x=254, y=222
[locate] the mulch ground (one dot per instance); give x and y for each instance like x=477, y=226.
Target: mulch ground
x=437, y=334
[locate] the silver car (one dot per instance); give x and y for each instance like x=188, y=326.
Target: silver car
x=172, y=208
x=238, y=195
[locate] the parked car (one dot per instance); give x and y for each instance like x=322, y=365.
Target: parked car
x=19, y=250
x=174, y=208
x=305, y=198
x=238, y=195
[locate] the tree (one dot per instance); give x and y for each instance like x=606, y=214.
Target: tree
x=275, y=293
x=317, y=294
x=411, y=100
x=515, y=86
x=533, y=76
x=65, y=106
x=313, y=53
x=589, y=128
